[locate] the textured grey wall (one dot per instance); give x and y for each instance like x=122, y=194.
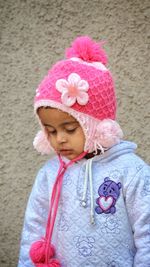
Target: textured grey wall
x=34, y=34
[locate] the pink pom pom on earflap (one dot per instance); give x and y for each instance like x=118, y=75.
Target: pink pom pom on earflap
x=38, y=249
x=41, y=144
x=88, y=50
x=109, y=133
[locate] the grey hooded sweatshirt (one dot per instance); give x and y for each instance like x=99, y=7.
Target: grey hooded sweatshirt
x=103, y=219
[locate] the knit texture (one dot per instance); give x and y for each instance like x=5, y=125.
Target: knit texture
x=82, y=86
x=101, y=104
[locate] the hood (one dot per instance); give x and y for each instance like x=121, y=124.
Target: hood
x=124, y=147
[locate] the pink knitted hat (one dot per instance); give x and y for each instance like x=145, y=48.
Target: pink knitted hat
x=82, y=86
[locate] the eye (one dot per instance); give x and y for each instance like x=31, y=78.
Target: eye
x=71, y=130
x=111, y=190
x=52, y=132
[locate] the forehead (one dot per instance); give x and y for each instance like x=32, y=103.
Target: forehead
x=54, y=116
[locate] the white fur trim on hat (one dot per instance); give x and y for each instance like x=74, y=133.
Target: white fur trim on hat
x=97, y=65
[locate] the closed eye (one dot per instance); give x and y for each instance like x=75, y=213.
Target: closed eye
x=71, y=130
x=52, y=132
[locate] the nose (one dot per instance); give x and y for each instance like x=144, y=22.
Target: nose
x=61, y=137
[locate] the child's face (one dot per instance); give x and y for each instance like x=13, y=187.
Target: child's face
x=64, y=132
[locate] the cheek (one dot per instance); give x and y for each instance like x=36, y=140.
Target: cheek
x=52, y=141
x=80, y=139
x=82, y=143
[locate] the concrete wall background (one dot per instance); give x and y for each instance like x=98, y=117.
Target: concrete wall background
x=34, y=34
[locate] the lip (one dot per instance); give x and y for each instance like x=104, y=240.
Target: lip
x=65, y=152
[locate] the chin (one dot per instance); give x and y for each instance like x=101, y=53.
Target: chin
x=69, y=154
x=70, y=157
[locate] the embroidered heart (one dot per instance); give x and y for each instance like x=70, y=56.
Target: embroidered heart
x=105, y=202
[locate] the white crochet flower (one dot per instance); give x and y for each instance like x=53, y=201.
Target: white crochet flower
x=72, y=90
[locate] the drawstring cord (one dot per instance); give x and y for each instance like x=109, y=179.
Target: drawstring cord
x=88, y=174
x=85, y=186
x=42, y=251
x=54, y=205
x=91, y=192
x=55, y=201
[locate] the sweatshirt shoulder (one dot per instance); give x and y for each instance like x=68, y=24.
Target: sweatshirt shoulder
x=133, y=160
x=125, y=153
x=135, y=170
x=127, y=162
x=50, y=164
x=48, y=170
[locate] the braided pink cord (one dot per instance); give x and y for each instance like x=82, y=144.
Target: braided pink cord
x=55, y=201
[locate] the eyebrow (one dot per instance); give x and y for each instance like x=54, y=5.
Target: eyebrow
x=62, y=124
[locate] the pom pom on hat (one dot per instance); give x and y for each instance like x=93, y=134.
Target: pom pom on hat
x=88, y=50
x=41, y=143
x=109, y=133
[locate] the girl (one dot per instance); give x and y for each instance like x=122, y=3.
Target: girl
x=89, y=205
